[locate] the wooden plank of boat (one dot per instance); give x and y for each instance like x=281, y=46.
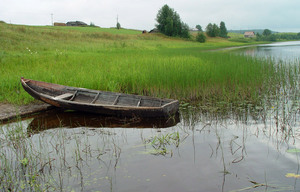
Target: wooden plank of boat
x=101, y=102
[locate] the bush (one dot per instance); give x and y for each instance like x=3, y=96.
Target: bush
x=118, y=25
x=201, y=37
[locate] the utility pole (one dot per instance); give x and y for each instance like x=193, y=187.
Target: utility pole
x=118, y=24
x=52, y=19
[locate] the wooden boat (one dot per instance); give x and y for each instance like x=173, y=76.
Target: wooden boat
x=100, y=102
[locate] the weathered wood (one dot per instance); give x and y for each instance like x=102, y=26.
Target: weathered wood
x=100, y=102
x=95, y=98
x=64, y=96
x=116, y=100
x=74, y=95
x=139, y=102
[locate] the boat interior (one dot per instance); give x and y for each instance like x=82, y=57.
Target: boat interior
x=95, y=97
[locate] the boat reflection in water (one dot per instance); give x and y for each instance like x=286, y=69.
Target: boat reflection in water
x=72, y=119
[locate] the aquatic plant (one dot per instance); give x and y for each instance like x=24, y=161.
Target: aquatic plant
x=162, y=142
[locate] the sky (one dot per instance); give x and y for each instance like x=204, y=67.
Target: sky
x=277, y=15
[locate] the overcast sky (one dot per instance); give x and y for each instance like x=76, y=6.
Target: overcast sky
x=277, y=15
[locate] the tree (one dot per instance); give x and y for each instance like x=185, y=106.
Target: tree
x=209, y=30
x=118, y=25
x=212, y=30
x=201, y=37
x=199, y=28
x=272, y=37
x=216, y=30
x=185, y=31
x=258, y=37
x=223, y=30
x=169, y=23
x=267, y=36
x=267, y=32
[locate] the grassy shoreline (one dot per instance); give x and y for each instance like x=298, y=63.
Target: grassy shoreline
x=128, y=61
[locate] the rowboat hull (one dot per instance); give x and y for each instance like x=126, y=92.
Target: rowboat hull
x=100, y=102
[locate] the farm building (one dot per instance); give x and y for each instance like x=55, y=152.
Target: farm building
x=59, y=24
x=194, y=29
x=249, y=34
x=76, y=23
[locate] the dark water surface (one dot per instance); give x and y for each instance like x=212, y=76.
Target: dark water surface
x=209, y=154
x=194, y=151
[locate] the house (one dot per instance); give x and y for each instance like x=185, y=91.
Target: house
x=59, y=24
x=249, y=34
x=76, y=23
x=194, y=29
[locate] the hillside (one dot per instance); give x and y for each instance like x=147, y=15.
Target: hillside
x=16, y=37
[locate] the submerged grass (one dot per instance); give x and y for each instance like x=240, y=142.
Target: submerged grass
x=124, y=61
x=40, y=163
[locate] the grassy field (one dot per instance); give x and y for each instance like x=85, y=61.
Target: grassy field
x=128, y=61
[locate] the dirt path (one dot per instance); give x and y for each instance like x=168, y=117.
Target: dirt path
x=9, y=111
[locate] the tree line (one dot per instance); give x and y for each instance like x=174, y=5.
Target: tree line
x=170, y=24
x=267, y=35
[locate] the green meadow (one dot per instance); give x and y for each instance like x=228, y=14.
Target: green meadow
x=130, y=62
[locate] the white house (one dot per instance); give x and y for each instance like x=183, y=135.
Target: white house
x=249, y=34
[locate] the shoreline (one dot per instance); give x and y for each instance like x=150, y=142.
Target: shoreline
x=10, y=111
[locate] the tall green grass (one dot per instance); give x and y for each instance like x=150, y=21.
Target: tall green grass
x=141, y=64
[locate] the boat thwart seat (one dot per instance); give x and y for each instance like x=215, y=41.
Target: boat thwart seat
x=64, y=96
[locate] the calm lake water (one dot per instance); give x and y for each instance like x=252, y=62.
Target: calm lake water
x=256, y=150
x=281, y=51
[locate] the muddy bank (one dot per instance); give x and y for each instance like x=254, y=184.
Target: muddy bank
x=10, y=111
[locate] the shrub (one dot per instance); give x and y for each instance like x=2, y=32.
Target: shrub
x=118, y=25
x=201, y=37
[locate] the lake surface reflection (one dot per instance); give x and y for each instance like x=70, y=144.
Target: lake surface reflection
x=202, y=152
x=281, y=51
